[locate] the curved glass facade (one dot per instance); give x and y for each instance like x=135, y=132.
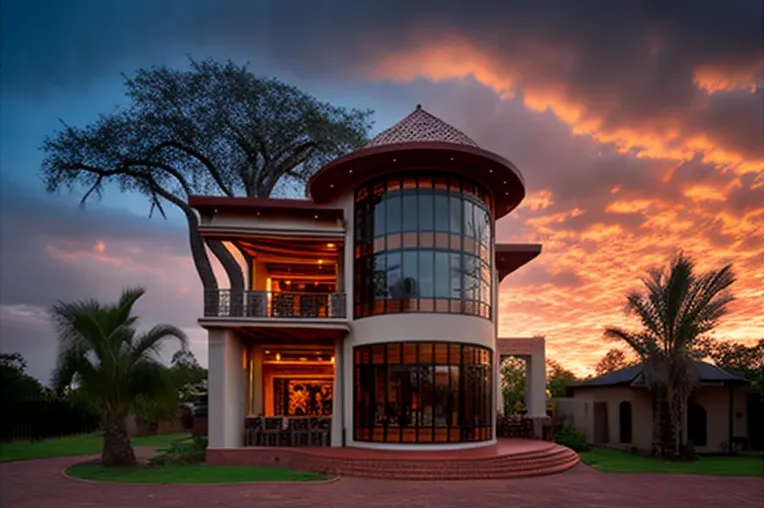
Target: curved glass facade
x=422, y=244
x=422, y=392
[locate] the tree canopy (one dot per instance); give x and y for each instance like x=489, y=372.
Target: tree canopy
x=615, y=359
x=16, y=383
x=212, y=129
x=114, y=365
x=676, y=308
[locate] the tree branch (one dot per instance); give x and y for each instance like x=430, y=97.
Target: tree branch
x=214, y=173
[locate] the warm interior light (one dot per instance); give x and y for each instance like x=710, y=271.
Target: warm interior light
x=267, y=352
x=331, y=245
x=278, y=357
x=332, y=359
x=303, y=358
x=320, y=261
x=288, y=283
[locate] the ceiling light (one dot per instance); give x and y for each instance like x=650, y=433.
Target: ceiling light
x=320, y=261
x=350, y=171
x=331, y=245
x=332, y=359
x=331, y=185
x=315, y=216
x=278, y=357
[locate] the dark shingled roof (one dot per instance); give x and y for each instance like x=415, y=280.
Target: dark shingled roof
x=633, y=376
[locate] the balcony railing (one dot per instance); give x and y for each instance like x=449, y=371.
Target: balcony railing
x=268, y=304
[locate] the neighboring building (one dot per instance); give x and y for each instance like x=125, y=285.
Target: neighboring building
x=616, y=409
x=374, y=303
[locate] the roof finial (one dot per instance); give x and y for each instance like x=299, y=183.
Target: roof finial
x=419, y=106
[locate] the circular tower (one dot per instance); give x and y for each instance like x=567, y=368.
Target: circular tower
x=421, y=202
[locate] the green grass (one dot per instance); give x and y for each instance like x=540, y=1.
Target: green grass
x=617, y=461
x=197, y=473
x=74, y=445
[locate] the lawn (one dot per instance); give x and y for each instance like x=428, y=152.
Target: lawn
x=74, y=445
x=617, y=461
x=196, y=473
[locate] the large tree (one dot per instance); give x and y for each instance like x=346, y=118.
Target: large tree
x=615, y=359
x=736, y=356
x=114, y=366
x=214, y=128
x=675, y=309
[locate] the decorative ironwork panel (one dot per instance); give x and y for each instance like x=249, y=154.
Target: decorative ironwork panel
x=265, y=304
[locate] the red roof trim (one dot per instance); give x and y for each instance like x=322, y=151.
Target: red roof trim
x=263, y=206
x=492, y=171
x=512, y=256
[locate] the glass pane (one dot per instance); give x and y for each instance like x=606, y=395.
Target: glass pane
x=409, y=353
x=425, y=207
x=455, y=211
x=394, y=279
x=427, y=397
x=456, y=276
x=425, y=352
x=379, y=281
x=393, y=207
x=379, y=219
x=441, y=212
x=442, y=275
x=443, y=405
x=410, y=273
x=469, y=223
x=378, y=354
x=409, y=212
x=454, y=390
x=426, y=274
x=441, y=353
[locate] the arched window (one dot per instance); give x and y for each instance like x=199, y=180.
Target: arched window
x=422, y=244
x=697, y=424
x=624, y=422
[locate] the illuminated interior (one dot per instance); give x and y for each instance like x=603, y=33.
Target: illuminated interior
x=292, y=381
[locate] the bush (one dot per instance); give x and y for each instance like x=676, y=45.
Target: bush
x=572, y=438
x=181, y=453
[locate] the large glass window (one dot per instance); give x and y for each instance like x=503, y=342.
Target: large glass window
x=422, y=244
x=422, y=392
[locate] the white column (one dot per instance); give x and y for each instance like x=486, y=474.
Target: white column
x=338, y=405
x=226, y=390
x=257, y=374
x=536, y=385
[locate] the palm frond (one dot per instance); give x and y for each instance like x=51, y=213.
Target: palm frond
x=150, y=340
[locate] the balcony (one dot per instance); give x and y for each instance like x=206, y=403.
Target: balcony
x=227, y=303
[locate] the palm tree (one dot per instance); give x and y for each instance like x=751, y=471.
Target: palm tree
x=101, y=351
x=675, y=308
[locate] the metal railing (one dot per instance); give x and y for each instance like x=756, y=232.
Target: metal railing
x=269, y=304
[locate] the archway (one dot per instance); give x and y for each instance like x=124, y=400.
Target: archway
x=697, y=423
x=624, y=422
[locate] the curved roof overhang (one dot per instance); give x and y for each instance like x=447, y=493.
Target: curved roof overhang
x=494, y=172
x=511, y=256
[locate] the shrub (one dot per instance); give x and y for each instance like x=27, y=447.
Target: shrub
x=572, y=438
x=181, y=453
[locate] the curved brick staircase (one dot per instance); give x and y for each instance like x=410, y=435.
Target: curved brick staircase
x=509, y=458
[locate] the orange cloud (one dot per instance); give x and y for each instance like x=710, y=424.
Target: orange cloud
x=664, y=138
x=718, y=78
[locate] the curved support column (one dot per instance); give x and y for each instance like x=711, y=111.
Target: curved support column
x=234, y=272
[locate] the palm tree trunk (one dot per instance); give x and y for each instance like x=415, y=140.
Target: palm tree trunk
x=117, y=448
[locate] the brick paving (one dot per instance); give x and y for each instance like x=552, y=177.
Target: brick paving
x=39, y=484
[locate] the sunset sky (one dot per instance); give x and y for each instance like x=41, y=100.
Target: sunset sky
x=638, y=126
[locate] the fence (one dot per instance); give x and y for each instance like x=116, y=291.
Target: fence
x=41, y=418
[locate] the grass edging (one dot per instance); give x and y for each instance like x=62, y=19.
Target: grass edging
x=612, y=461
x=65, y=474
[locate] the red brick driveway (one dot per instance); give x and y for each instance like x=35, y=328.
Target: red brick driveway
x=39, y=484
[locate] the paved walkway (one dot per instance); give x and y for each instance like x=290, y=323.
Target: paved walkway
x=39, y=484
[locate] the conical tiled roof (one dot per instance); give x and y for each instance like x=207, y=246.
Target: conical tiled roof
x=421, y=126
